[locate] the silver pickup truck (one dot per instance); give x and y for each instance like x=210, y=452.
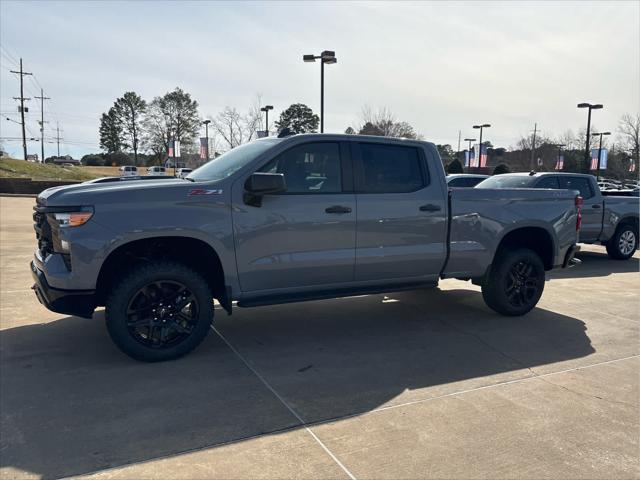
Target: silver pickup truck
x=288, y=219
x=610, y=219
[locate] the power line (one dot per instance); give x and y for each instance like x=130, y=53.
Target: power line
x=8, y=54
x=22, y=99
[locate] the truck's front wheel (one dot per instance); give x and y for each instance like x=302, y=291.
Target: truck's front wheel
x=515, y=282
x=159, y=311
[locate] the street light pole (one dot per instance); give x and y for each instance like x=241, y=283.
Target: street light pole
x=484, y=125
x=590, y=106
x=599, y=151
x=266, y=109
x=533, y=147
x=206, y=135
x=469, y=151
x=326, y=56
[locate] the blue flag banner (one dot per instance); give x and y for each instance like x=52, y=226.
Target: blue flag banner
x=604, y=154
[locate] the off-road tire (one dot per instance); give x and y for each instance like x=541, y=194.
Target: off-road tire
x=122, y=294
x=515, y=282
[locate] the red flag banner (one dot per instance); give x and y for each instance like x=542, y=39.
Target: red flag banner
x=204, y=148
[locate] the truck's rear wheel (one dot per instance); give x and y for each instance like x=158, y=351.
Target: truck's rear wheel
x=624, y=242
x=159, y=311
x=515, y=282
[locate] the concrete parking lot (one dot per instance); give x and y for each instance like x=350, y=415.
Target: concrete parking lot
x=421, y=384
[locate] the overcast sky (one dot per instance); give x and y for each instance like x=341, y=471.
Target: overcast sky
x=440, y=66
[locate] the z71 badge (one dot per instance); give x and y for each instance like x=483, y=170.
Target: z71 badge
x=203, y=191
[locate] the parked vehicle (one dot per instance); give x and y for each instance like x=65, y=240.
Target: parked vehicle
x=128, y=171
x=183, y=172
x=465, y=179
x=156, y=170
x=288, y=219
x=609, y=217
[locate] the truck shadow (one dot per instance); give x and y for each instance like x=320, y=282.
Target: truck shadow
x=597, y=264
x=71, y=403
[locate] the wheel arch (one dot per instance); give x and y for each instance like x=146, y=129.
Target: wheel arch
x=193, y=252
x=629, y=219
x=535, y=238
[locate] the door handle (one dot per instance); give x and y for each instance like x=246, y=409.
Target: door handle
x=337, y=209
x=429, y=208
x=595, y=205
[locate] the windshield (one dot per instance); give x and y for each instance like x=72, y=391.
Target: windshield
x=230, y=162
x=506, y=181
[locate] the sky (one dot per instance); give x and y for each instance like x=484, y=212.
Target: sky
x=441, y=66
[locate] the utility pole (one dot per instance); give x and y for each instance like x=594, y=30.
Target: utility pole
x=459, y=136
x=22, y=99
x=533, y=146
x=58, y=137
x=42, y=99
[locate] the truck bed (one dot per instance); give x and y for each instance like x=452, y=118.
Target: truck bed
x=479, y=216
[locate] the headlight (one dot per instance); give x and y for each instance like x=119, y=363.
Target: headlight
x=72, y=219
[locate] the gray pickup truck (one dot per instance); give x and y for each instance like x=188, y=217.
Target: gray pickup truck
x=288, y=219
x=608, y=219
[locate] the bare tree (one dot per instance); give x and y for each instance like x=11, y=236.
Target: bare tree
x=235, y=128
x=629, y=127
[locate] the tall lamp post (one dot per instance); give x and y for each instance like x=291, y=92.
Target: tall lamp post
x=266, y=109
x=325, y=57
x=599, y=151
x=596, y=106
x=469, y=150
x=206, y=135
x=484, y=125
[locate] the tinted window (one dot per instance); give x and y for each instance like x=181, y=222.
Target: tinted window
x=548, y=182
x=309, y=168
x=576, y=183
x=507, y=181
x=389, y=169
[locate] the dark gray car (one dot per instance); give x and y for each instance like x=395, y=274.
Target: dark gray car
x=465, y=180
x=288, y=219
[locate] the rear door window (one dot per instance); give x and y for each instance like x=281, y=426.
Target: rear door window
x=389, y=169
x=576, y=183
x=548, y=182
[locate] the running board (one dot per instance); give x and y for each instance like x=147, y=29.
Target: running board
x=328, y=294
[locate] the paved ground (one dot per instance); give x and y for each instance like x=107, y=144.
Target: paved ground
x=419, y=384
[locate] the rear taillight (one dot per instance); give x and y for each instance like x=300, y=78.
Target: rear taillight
x=579, y=203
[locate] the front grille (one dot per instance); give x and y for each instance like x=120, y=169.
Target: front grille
x=43, y=232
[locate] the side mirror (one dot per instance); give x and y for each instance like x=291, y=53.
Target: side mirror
x=259, y=184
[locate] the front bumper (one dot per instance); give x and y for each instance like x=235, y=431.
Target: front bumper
x=80, y=303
